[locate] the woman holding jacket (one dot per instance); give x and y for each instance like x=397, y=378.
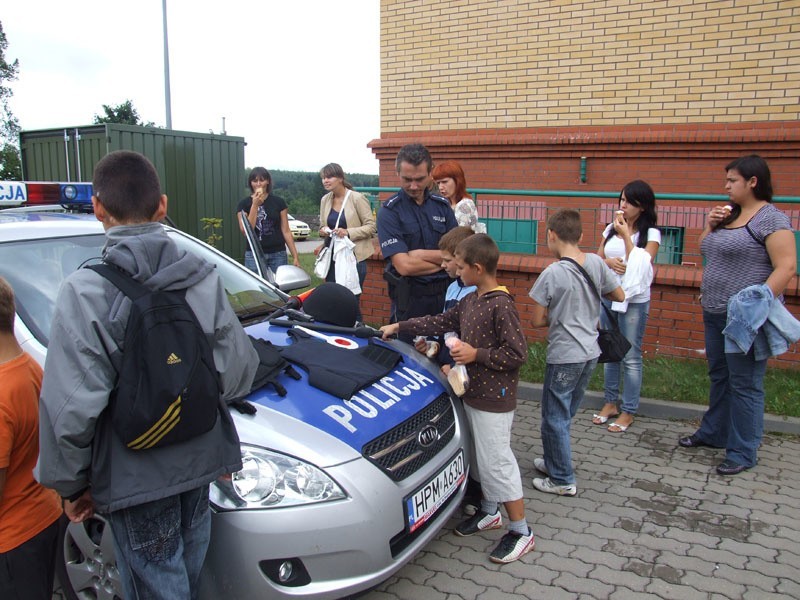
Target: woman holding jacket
x=749, y=248
x=629, y=247
x=355, y=221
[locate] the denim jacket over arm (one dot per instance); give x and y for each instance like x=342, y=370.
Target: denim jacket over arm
x=756, y=319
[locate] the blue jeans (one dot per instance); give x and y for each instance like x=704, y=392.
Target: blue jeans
x=735, y=416
x=631, y=324
x=564, y=386
x=274, y=260
x=161, y=545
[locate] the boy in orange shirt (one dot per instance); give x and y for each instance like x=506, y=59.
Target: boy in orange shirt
x=29, y=512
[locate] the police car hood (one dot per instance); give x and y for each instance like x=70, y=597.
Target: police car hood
x=340, y=427
x=152, y=258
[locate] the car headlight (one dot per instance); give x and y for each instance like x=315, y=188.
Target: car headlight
x=269, y=479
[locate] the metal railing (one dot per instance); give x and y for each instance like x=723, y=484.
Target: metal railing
x=516, y=218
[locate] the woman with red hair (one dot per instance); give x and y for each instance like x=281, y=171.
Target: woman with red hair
x=449, y=177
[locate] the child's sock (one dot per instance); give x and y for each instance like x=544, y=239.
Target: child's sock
x=488, y=506
x=520, y=527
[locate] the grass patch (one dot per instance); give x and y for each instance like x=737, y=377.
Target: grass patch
x=683, y=381
x=663, y=377
x=307, y=264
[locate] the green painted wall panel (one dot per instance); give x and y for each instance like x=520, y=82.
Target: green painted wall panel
x=200, y=173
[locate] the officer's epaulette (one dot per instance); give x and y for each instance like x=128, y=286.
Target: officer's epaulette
x=439, y=198
x=391, y=201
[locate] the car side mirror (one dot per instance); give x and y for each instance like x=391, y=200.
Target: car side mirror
x=290, y=278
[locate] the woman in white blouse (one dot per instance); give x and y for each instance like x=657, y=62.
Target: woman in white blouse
x=631, y=240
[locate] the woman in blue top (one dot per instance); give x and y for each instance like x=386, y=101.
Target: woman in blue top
x=634, y=226
x=749, y=242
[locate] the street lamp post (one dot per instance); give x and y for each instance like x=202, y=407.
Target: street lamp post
x=167, y=99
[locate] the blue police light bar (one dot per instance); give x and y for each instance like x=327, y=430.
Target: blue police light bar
x=72, y=195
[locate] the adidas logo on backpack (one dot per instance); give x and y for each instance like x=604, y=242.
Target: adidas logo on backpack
x=167, y=389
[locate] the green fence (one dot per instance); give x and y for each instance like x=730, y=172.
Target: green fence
x=513, y=218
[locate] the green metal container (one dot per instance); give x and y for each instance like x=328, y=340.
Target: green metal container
x=201, y=173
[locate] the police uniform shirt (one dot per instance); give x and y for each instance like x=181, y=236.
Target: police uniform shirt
x=404, y=225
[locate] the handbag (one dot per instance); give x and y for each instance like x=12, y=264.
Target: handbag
x=613, y=345
x=322, y=264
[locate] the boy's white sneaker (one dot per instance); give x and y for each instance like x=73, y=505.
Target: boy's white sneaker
x=538, y=464
x=546, y=485
x=512, y=546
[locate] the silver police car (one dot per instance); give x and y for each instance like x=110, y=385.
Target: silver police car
x=335, y=495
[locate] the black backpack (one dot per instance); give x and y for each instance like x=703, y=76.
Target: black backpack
x=167, y=389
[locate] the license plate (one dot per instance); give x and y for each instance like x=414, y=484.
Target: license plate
x=424, y=503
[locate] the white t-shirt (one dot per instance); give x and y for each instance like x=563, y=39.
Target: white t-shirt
x=615, y=248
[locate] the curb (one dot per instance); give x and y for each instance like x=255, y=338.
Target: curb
x=664, y=409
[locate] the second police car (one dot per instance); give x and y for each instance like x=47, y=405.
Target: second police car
x=335, y=495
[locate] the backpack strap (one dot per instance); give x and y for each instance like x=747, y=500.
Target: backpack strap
x=122, y=280
x=594, y=287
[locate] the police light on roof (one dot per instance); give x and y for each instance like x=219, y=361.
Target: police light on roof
x=17, y=193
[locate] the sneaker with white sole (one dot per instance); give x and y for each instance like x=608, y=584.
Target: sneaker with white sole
x=480, y=521
x=546, y=485
x=512, y=546
x=539, y=465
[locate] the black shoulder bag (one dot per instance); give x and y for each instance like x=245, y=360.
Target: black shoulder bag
x=613, y=345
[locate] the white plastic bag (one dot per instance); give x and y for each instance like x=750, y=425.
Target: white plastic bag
x=345, y=264
x=323, y=262
x=457, y=377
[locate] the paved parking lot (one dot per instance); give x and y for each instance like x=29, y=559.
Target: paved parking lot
x=651, y=520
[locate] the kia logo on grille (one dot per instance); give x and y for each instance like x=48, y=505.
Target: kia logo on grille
x=427, y=436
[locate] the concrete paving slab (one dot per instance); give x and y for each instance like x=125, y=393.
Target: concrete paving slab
x=651, y=519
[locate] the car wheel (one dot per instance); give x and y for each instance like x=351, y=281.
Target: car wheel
x=86, y=565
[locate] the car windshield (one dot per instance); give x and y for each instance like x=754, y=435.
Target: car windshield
x=36, y=268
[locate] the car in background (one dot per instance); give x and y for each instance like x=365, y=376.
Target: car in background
x=300, y=229
x=335, y=495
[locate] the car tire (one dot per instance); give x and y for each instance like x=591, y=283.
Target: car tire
x=85, y=563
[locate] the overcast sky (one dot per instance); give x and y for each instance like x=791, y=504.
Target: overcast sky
x=300, y=81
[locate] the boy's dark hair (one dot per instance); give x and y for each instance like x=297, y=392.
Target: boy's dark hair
x=259, y=172
x=566, y=224
x=479, y=249
x=414, y=154
x=127, y=185
x=450, y=240
x=7, y=311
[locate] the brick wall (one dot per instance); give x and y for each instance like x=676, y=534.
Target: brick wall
x=674, y=159
x=674, y=327
x=477, y=64
x=666, y=91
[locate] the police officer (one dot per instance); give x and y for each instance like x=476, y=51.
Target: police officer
x=410, y=224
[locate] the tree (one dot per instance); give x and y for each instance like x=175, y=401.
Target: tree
x=123, y=113
x=10, y=166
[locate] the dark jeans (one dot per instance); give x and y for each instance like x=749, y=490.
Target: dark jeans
x=735, y=416
x=161, y=545
x=26, y=572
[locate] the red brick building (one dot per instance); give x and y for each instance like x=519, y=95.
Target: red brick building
x=669, y=92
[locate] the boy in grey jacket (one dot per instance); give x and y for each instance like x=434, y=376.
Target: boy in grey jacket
x=157, y=499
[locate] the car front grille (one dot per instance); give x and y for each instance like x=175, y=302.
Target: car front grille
x=400, y=452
